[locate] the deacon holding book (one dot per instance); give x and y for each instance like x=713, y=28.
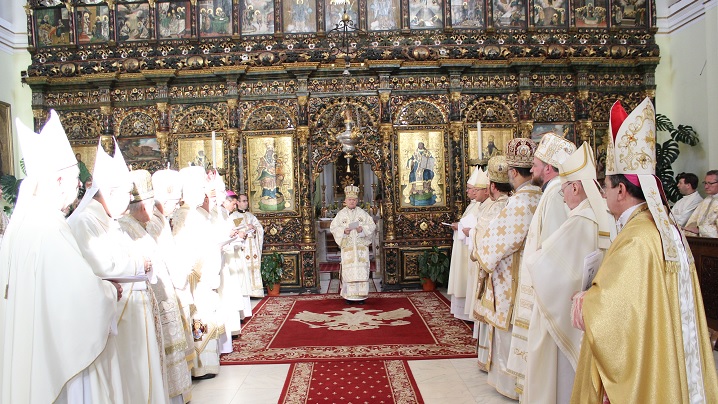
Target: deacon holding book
x=646, y=339
x=353, y=230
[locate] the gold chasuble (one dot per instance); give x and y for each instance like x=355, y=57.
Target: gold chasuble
x=632, y=314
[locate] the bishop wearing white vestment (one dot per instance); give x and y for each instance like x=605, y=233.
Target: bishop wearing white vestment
x=459, y=268
x=38, y=253
x=112, y=254
x=550, y=214
x=353, y=230
x=557, y=274
x=197, y=244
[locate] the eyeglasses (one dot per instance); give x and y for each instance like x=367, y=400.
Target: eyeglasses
x=710, y=182
x=560, y=192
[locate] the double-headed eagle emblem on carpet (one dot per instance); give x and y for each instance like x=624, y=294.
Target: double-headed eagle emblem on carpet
x=353, y=319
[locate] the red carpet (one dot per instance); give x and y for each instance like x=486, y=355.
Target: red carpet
x=408, y=325
x=350, y=382
x=336, y=266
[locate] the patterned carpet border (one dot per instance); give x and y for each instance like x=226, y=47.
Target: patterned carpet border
x=453, y=336
x=301, y=387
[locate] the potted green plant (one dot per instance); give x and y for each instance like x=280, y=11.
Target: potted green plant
x=433, y=267
x=667, y=152
x=271, y=270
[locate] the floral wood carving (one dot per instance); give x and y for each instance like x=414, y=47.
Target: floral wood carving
x=200, y=118
x=269, y=117
x=137, y=124
x=553, y=110
x=422, y=112
x=492, y=109
x=82, y=125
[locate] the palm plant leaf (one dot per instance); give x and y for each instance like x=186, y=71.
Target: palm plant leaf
x=666, y=154
x=663, y=123
x=685, y=134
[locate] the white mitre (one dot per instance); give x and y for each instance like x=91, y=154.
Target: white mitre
x=478, y=179
x=581, y=166
x=167, y=185
x=194, y=180
x=109, y=174
x=554, y=149
x=46, y=152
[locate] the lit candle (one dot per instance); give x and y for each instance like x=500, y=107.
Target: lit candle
x=481, y=143
x=214, y=152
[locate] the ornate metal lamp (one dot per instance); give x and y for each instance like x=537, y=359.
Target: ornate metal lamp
x=350, y=136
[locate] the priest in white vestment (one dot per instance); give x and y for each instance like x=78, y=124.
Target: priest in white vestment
x=557, y=274
x=112, y=254
x=252, y=231
x=228, y=294
x=684, y=207
x=179, y=344
x=459, y=268
x=550, y=214
x=197, y=244
x=353, y=230
x=499, y=189
x=704, y=220
x=234, y=259
x=500, y=252
x=55, y=313
x=482, y=193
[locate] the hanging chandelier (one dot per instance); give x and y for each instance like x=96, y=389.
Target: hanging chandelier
x=351, y=134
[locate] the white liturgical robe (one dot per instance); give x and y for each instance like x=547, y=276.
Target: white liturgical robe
x=459, y=269
x=557, y=272
x=550, y=213
x=250, y=256
x=684, y=208
x=56, y=316
x=197, y=242
x=706, y=217
x=112, y=253
x=354, y=251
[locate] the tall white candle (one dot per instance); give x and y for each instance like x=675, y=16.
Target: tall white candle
x=481, y=143
x=214, y=152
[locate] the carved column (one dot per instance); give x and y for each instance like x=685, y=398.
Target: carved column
x=39, y=116
x=386, y=130
x=456, y=129
x=163, y=130
x=306, y=197
x=107, y=130
x=584, y=129
x=233, y=169
x=526, y=123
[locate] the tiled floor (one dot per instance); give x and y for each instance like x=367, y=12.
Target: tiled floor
x=453, y=381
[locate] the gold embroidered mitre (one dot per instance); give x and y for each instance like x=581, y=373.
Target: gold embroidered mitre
x=553, y=149
x=520, y=152
x=632, y=144
x=498, y=170
x=631, y=151
x=351, y=191
x=581, y=166
x=141, y=185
